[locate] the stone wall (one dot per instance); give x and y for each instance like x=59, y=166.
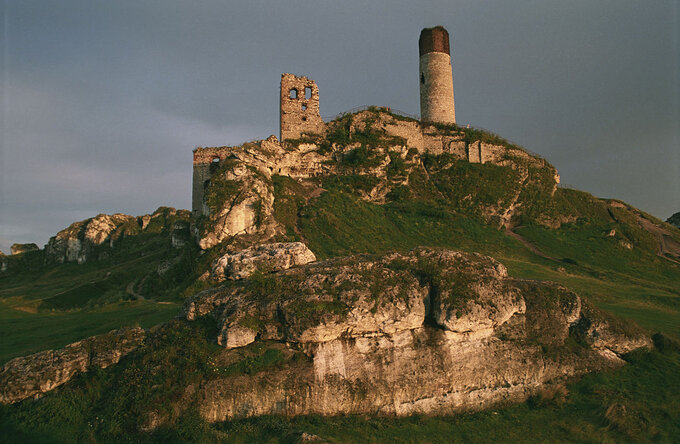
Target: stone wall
x=475, y=152
x=299, y=107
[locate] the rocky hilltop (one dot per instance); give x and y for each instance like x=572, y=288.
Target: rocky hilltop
x=383, y=156
x=262, y=191
x=102, y=237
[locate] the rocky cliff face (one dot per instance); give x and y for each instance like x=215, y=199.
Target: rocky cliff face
x=432, y=331
x=94, y=238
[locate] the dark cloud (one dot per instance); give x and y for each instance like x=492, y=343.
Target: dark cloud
x=103, y=101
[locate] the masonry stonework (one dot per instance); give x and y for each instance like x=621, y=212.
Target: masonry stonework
x=436, y=77
x=206, y=161
x=299, y=111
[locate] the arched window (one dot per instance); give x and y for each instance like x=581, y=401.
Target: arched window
x=308, y=92
x=293, y=93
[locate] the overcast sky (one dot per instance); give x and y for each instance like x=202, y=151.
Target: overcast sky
x=103, y=101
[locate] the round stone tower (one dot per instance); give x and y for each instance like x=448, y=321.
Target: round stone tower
x=436, y=78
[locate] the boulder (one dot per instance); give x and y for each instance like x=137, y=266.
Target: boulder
x=462, y=293
x=264, y=257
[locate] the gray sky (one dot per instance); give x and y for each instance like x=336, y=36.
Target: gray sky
x=103, y=101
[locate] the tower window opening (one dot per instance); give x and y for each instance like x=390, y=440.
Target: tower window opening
x=308, y=92
x=304, y=107
x=304, y=119
x=422, y=78
x=293, y=93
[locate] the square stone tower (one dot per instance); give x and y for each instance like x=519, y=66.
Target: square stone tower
x=299, y=107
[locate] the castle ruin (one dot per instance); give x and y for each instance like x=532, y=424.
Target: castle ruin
x=299, y=116
x=299, y=109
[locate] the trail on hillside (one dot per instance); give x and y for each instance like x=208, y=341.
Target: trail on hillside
x=509, y=231
x=130, y=289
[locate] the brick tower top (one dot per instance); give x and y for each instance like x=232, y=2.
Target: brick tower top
x=434, y=40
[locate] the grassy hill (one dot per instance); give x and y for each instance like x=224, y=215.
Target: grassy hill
x=602, y=249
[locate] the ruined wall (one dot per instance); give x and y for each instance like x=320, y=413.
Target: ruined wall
x=299, y=107
x=475, y=153
x=206, y=160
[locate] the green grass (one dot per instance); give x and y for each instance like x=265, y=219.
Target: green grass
x=338, y=224
x=45, y=307
x=25, y=333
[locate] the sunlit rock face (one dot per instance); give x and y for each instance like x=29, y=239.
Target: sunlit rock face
x=264, y=257
x=430, y=331
x=96, y=237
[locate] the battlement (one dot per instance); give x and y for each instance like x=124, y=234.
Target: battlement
x=210, y=155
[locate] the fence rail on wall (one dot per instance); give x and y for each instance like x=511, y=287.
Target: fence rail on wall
x=569, y=185
x=366, y=107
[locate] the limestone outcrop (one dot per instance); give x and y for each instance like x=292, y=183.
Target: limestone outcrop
x=94, y=238
x=240, y=203
x=264, y=257
x=431, y=331
x=33, y=375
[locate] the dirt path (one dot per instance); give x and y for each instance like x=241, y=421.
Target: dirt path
x=130, y=289
x=529, y=245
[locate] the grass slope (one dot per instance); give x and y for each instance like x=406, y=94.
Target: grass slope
x=49, y=306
